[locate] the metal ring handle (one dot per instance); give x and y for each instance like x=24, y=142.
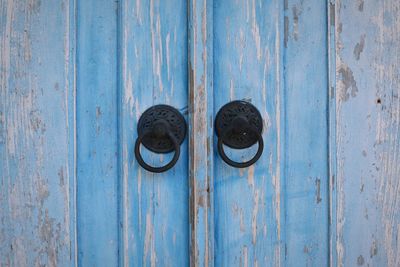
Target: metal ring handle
x=162, y=168
x=241, y=164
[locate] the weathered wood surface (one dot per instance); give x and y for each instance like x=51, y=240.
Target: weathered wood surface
x=274, y=55
x=37, y=210
x=306, y=176
x=153, y=62
x=201, y=132
x=71, y=192
x=97, y=133
x=248, y=65
x=367, y=115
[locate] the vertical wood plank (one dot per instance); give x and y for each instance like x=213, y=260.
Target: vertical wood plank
x=201, y=161
x=332, y=130
x=37, y=171
x=249, y=210
x=154, y=211
x=367, y=132
x=306, y=133
x=275, y=55
x=97, y=138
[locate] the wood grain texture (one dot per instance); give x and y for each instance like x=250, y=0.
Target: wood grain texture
x=97, y=134
x=332, y=131
x=248, y=65
x=324, y=74
x=37, y=133
x=201, y=158
x=275, y=56
x=306, y=134
x=367, y=132
x=155, y=207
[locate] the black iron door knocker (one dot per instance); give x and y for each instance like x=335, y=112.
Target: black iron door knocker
x=161, y=129
x=239, y=125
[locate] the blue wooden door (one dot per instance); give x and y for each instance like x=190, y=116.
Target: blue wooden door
x=276, y=211
x=75, y=77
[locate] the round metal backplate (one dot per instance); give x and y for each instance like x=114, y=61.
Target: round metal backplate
x=176, y=124
x=225, y=117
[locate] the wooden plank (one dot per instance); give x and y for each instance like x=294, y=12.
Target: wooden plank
x=37, y=170
x=275, y=55
x=154, y=208
x=201, y=160
x=249, y=210
x=367, y=133
x=97, y=136
x=306, y=134
x=332, y=131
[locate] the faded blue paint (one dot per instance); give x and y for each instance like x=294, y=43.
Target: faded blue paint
x=277, y=211
x=37, y=210
x=248, y=202
x=96, y=133
x=75, y=77
x=367, y=133
x=306, y=159
x=153, y=63
x=331, y=13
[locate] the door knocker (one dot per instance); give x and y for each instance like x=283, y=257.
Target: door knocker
x=239, y=125
x=161, y=129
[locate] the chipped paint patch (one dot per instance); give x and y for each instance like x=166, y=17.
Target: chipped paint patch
x=318, y=190
x=255, y=29
x=254, y=216
x=359, y=48
x=296, y=14
x=360, y=260
x=347, y=84
x=360, y=4
x=250, y=176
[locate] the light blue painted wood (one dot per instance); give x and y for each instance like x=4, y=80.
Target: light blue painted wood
x=75, y=80
x=367, y=133
x=97, y=138
x=249, y=208
x=274, y=55
x=37, y=210
x=153, y=61
x=306, y=134
x=332, y=132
